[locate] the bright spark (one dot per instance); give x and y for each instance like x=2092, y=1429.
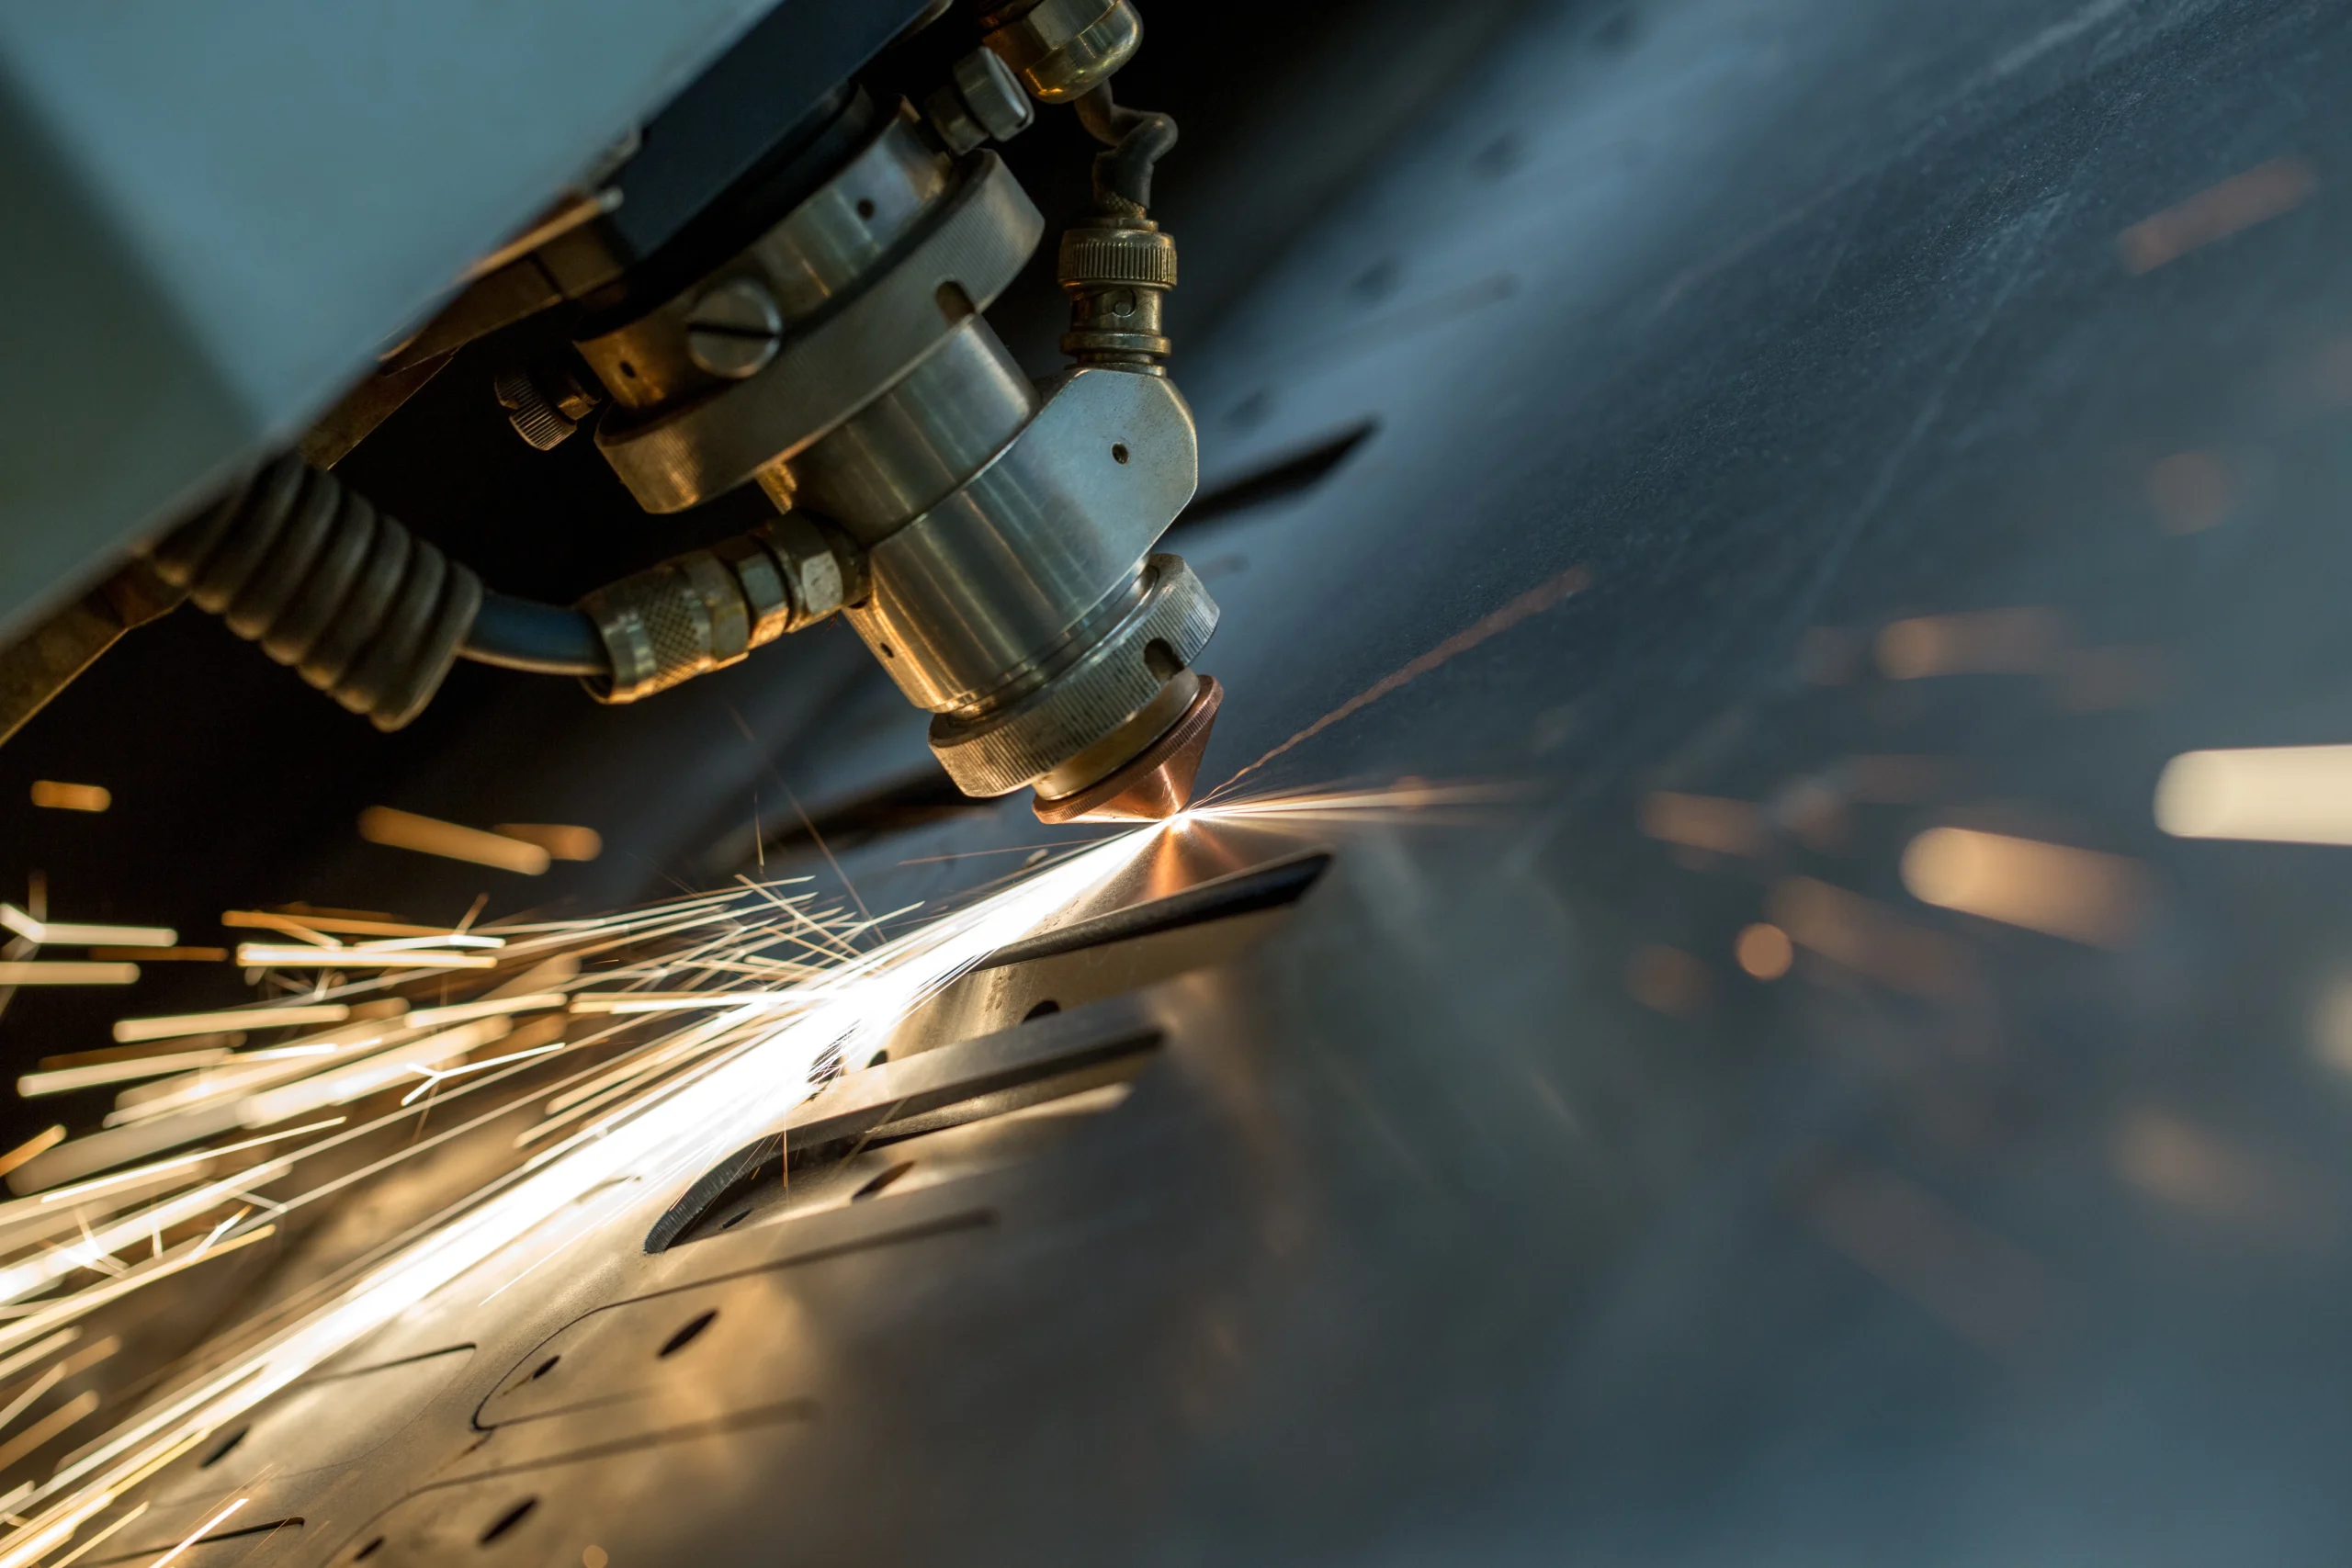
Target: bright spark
x=655, y=1115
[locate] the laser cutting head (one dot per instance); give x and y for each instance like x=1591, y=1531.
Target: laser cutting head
x=989, y=540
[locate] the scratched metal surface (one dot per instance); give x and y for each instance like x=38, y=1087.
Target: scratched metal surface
x=1481, y=1208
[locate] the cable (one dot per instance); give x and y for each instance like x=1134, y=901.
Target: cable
x=546, y=639
x=1137, y=139
x=360, y=607
x=363, y=609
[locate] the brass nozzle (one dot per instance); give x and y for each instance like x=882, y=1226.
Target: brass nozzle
x=1154, y=783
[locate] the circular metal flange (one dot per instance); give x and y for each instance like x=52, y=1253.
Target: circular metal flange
x=1138, y=254
x=972, y=246
x=996, y=753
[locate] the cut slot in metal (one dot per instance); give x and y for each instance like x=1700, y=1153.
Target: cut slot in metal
x=1058, y=1056
x=945, y=1113
x=1266, y=887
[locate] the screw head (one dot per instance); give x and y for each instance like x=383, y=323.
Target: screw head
x=734, y=329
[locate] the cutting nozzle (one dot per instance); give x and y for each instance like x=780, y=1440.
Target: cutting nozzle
x=1153, y=785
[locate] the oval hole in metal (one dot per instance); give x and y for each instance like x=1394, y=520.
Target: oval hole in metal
x=686, y=1334
x=881, y=1181
x=509, y=1519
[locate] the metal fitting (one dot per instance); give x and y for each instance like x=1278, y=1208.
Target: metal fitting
x=991, y=591
x=1062, y=50
x=706, y=609
x=544, y=402
x=823, y=571
x=872, y=274
x=983, y=101
x=1149, y=646
x=767, y=593
x=1117, y=277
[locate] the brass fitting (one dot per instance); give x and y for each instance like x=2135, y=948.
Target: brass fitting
x=706, y=609
x=1063, y=50
x=1117, y=274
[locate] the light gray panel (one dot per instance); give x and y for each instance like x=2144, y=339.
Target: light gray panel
x=217, y=213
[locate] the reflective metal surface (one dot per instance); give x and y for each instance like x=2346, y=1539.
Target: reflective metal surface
x=905, y=452
x=823, y=248
x=997, y=575
x=977, y=238
x=1116, y=665
x=1062, y=48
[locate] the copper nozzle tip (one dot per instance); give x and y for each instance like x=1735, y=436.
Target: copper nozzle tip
x=1153, y=785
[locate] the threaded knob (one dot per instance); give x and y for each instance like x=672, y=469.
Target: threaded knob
x=1142, y=257
x=534, y=419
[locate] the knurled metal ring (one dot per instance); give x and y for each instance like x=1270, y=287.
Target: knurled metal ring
x=999, y=752
x=1141, y=257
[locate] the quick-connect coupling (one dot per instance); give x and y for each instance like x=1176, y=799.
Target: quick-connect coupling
x=706, y=609
x=1117, y=273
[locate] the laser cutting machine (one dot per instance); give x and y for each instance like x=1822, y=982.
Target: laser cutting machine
x=1758, y=969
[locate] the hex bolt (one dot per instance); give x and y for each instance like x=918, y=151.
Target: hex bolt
x=993, y=94
x=734, y=329
x=983, y=101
